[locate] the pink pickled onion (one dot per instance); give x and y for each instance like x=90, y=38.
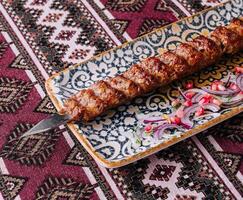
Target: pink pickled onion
x=187, y=112
x=195, y=90
x=212, y=107
x=199, y=94
x=235, y=101
x=232, y=103
x=227, y=92
x=153, y=119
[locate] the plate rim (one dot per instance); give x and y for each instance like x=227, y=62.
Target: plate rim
x=129, y=159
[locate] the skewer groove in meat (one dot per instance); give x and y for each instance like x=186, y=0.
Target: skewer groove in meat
x=155, y=72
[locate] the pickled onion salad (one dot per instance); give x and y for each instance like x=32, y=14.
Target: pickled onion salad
x=194, y=103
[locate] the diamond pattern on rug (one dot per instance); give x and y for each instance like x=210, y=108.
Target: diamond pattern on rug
x=30, y=150
x=120, y=25
x=65, y=35
x=42, y=23
x=72, y=20
x=75, y=157
x=231, y=161
x=164, y=173
x=204, y=172
x=156, y=192
x=79, y=53
x=45, y=106
x=195, y=166
x=184, y=170
x=10, y=186
x=126, y=5
x=54, y=188
x=19, y=63
x=14, y=93
x=53, y=17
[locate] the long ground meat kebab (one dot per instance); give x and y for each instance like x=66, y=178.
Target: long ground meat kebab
x=155, y=72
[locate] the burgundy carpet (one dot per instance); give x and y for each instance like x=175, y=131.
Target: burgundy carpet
x=41, y=37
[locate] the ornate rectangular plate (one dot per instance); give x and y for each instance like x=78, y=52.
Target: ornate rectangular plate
x=112, y=138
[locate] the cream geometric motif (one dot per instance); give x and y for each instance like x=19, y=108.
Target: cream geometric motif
x=62, y=34
x=212, y=2
x=168, y=173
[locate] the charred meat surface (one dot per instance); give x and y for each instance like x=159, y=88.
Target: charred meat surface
x=154, y=72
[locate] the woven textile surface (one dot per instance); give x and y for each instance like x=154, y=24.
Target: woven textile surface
x=41, y=37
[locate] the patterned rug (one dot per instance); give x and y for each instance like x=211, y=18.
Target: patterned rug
x=41, y=37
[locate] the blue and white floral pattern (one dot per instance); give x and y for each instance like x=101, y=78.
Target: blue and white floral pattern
x=113, y=135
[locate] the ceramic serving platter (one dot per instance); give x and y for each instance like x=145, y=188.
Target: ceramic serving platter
x=116, y=138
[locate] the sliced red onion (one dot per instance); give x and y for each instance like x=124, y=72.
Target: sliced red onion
x=191, y=109
x=197, y=97
x=235, y=101
x=153, y=119
x=232, y=103
x=227, y=92
x=195, y=90
x=199, y=93
x=239, y=96
x=239, y=81
x=159, y=125
x=180, y=111
x=187, y=112
x=186, y=122
x=162, y=128
x=211, y=106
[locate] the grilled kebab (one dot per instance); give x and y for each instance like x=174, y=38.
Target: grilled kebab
x=155, y=72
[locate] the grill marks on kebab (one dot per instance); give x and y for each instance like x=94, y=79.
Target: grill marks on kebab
x=154, y=72
x=155, y=67
x=125, y=86
x=107, y=94
x=191, y=55
x=210, y=50
x=176, y=65
x=229, y=39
